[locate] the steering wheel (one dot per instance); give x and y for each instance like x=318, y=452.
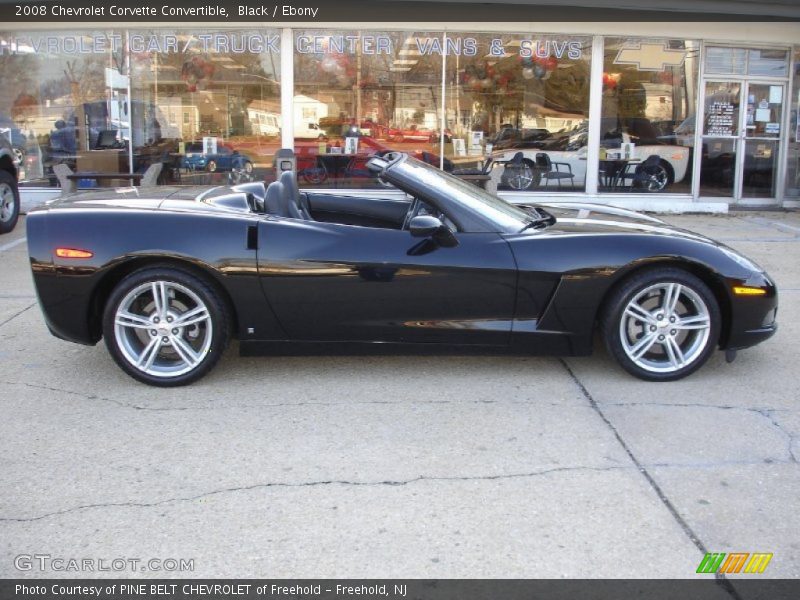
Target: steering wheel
x=412, y=212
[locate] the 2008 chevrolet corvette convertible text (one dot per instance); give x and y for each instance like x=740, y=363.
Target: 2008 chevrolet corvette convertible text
x=168, y=275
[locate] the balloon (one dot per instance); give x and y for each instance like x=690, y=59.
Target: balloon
x=527, y=73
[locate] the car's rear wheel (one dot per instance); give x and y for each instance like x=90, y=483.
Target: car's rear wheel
x=315, y=175
x=9, y=202
x=211, y=166
x=165, y=327
x=661, y=324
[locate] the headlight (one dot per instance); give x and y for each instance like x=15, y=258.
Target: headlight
x=742, y=261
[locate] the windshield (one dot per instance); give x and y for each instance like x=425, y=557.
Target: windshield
x=506, y=216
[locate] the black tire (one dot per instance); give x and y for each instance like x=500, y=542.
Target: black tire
x=315, y=175
x=522, y=177
x=656, y=178
x=169, y=367
x=697, y=323
x=9, y=202
x=19, y=153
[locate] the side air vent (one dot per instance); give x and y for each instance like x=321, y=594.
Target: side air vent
x=252, y=237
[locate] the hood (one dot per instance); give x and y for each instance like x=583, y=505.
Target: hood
x=586, y=210
x=600, y=219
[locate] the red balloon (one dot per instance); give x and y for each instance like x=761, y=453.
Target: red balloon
x=551, y=64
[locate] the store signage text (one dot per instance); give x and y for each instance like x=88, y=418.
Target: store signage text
x=236, y=43
x=256, y=43
x=427, y=46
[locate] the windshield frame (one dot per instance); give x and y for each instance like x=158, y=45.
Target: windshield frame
x=471, y=208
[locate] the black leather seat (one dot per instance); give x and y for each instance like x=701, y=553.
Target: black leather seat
x=298, y=203
x=275, y=200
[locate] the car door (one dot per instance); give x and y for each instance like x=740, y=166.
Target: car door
x=327, y=281
x=224, y=158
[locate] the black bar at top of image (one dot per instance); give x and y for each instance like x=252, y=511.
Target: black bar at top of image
x=701, y=588
x=391, y=11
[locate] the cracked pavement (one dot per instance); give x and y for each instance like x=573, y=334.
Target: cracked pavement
x=403, y=466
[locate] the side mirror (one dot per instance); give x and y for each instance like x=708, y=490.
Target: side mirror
x=426, y=226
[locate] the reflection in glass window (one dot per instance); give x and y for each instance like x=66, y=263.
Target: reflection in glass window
x=206, y=104
x=521, y=100
x=64, y=100
x=793, y=148
x=648, y=115
x=359, y=93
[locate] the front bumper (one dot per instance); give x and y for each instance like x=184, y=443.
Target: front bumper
x=753, y=318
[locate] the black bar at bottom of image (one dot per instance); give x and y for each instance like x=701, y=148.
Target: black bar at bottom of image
x=399, y=589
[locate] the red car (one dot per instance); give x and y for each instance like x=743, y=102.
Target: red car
x=413, y=134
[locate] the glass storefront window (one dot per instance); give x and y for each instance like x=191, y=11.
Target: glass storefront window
x=206, y=103
x=64, y=100
x=761, y=62
x=648, y=115
x=793, y=149
x=361, y=93
x=521, y=100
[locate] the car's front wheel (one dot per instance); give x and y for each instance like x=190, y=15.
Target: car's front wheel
x=9, y=202
x=165, y=327
x=661, y=324
x=654, y=178
x=520, y=176
x=211, y=167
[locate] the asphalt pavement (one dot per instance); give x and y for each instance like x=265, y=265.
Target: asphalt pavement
x=401, y=466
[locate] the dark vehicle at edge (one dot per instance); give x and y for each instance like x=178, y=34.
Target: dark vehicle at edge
x=9, y=188
x=168, y=275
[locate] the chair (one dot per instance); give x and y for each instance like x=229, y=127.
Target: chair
x=484, y=170
x=550, y=170
x=479, y=176
x=62, y=171
x=150, y=176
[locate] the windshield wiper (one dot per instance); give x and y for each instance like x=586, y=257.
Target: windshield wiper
x=543, y=219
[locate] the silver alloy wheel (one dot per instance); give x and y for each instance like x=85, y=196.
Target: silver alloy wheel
x=163, y=328
x=655, y=179
x=7, y=202
x=665, y=327
x=19, y=155
x=520, y=178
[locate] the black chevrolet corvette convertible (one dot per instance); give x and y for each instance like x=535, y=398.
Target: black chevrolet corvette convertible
x=168, y=275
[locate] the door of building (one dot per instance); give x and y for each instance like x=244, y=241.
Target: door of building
x=743, y=122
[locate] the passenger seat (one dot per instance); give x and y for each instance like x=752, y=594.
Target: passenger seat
x=298, y=203
x=276, y=200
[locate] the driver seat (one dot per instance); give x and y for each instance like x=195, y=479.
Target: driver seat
x=298, y=203
x=275, y=200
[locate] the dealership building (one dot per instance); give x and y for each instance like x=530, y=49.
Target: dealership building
x=666, y=110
